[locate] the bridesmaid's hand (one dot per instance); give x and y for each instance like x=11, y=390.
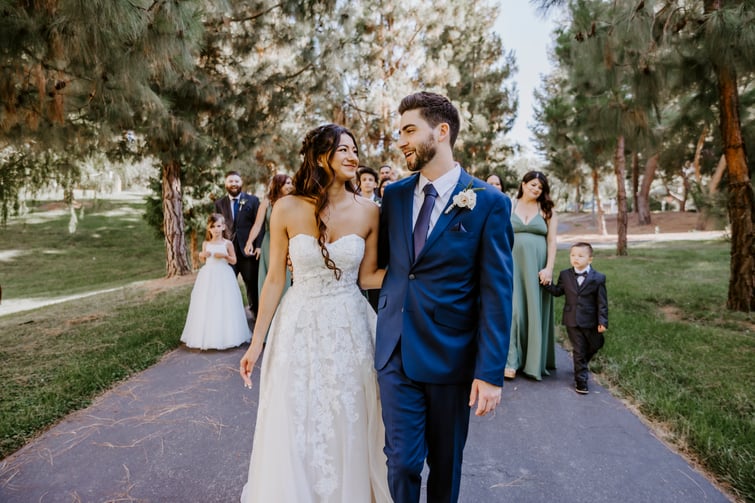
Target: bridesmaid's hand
x=545, y=276
x=248, y=249
x=257, y=252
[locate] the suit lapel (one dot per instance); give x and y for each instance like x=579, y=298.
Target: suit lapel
x=573, y=279
x=242, y=203
x=446, y=217
x=587, y=278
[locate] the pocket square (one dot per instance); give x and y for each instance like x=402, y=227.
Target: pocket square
x=458, y=227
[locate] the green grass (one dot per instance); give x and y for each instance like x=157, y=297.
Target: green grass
x=112, y=246
x=58, y=358
x=674, y=350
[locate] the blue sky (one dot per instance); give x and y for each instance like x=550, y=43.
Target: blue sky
x=528, y=35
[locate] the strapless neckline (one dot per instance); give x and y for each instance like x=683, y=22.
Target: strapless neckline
x=353, y=234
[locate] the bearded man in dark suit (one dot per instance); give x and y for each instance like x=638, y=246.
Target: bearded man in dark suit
x=240, y=210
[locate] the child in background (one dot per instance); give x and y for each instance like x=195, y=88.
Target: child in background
x=585, y=310
x=216, y=318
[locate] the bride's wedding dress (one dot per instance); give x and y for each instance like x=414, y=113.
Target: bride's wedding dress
x=319, y=434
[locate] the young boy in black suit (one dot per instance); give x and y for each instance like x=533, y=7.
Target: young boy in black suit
x=585, y=310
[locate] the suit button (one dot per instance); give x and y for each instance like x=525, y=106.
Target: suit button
x=411, y=276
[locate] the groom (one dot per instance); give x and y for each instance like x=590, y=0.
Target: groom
x=444, y=311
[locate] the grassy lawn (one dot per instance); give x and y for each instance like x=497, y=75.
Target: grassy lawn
x=672, y=349
x=59, y=358
x=112, y=246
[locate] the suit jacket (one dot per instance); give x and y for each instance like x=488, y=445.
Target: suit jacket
x=451, y=307
x=238, y=230
x=586, y=306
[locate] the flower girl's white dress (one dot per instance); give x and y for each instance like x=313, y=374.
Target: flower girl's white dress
x=216, y=318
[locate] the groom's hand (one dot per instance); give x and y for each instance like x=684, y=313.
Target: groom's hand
x=487, y=396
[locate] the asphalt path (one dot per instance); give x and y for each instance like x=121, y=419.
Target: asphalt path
x=183, y=429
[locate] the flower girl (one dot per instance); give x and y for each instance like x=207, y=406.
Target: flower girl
x=216, y=318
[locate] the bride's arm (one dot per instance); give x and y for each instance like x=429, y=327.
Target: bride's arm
x=370, y=277
x=272, y=289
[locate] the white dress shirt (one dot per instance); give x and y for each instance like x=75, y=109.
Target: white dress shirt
x=581, y=279
x=444, y=185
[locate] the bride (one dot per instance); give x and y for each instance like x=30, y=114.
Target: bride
x=319, y=434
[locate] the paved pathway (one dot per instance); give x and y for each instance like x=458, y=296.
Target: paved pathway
x=182, y=431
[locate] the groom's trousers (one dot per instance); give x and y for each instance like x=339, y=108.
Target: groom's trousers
x=423, y=420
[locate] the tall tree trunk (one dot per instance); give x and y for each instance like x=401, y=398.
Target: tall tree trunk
x=685, y=189
x=741, y=204
x=636, y=184
x=698, y=153
x=176, y=263
x=598, y=203
x=702, y=218
x=717, y=176
x=620, y=168
x=643, y=196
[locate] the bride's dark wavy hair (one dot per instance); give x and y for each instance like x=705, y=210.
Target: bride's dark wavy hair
x=312, y=180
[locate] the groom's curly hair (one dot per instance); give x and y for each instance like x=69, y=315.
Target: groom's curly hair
x=312, y=180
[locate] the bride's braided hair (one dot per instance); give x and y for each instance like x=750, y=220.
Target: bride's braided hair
x=313, y=180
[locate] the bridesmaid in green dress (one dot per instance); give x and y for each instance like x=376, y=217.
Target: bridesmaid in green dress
x=532, y=347
x=280, y=185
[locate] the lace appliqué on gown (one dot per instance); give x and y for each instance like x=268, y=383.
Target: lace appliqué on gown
x=319, y=434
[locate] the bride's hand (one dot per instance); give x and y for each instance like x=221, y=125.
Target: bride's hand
x=246, y=366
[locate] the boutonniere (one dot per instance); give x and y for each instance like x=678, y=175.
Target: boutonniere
x=465, y=199
x=242, y=202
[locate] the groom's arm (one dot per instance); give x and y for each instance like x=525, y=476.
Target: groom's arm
x=496, y=283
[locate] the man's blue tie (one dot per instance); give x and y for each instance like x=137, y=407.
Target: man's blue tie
x=235, y=208
x=423, y=220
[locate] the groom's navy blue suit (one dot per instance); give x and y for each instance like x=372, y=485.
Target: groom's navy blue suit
x=443, y=320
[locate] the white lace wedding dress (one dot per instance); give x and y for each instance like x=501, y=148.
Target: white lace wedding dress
x=319, y=434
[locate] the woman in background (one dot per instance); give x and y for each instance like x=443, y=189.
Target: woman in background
x=495, y=181
x=532, y=347
x=280, y=185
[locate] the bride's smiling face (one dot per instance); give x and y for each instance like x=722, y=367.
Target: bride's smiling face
x=345, y=160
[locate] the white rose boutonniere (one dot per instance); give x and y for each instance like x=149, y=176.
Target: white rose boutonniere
x=465, y=199
x=242, y=202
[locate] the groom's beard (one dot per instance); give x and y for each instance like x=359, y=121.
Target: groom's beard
x=423, y=153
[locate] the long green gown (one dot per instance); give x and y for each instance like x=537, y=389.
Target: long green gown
x=265, y=256
x=532, y=348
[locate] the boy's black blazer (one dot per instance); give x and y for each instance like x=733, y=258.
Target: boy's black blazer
x=587, y=305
